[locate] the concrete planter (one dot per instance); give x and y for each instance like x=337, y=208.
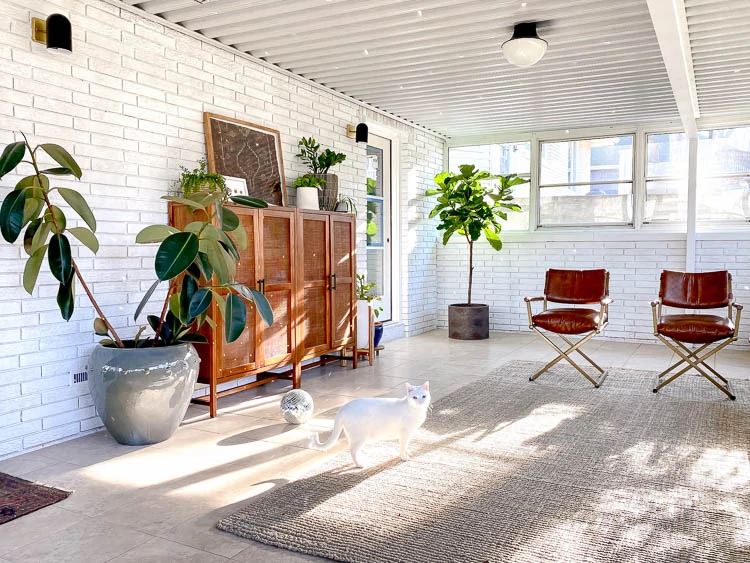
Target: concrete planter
x=328, y=194
x=468, y=322
x=307, y=198
x=142, y=394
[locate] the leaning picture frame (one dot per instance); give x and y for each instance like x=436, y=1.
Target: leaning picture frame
x=246, y=152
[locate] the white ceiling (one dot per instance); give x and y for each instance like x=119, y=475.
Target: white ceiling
x=438, y=63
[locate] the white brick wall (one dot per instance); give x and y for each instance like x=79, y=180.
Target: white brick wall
x=128, y=103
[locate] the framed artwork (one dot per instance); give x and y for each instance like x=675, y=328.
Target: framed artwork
x=243, y=151
x=236, y=186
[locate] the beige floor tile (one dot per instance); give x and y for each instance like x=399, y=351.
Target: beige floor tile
x=36, y=527
x=159, y=550
x=88, y=541
x=23, y=464
x=261, y=553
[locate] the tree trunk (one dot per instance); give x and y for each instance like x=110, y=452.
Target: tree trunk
x=471, y=267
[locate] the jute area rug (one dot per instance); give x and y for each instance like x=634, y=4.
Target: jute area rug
x=19, y=497
x=552, y=470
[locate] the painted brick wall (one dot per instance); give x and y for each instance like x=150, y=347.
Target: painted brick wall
x=634, y=260
x=128, y=103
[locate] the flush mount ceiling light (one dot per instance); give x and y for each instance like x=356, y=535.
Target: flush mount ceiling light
x=525, y=48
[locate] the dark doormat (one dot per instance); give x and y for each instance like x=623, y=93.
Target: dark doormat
x=19, y=497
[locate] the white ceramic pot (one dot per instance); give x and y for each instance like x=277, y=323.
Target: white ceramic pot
x=307, y=198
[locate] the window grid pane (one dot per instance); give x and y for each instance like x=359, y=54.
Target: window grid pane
x=723, y=183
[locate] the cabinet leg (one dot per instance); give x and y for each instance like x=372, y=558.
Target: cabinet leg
x=212, y=400
x=296, y=375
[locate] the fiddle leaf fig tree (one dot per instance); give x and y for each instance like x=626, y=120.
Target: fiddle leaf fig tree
x=468, y=207
x=198, y=262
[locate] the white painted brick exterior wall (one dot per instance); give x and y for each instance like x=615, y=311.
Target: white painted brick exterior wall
x=128, y=103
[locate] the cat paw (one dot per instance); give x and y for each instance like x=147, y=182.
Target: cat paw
x=405, y=457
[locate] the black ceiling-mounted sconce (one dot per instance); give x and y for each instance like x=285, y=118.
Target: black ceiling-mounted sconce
x=359, y=133
x=55, y=33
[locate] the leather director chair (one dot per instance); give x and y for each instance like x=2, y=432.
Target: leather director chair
x=573, y=287
x=705, y=290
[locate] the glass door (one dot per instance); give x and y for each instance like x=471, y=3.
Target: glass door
x=379, y=221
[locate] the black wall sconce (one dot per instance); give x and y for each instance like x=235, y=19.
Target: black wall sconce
x=55, y=33
x=359, y=133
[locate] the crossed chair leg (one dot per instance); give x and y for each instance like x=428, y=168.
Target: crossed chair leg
x=565, y=354
x=692, y=358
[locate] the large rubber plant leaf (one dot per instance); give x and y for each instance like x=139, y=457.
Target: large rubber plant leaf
x=79, y=205
x=86, y=237
x=188, y=289
x=63, y=158
x=28, y=236
x=66, y=298
x=31, y=270
x=229, y=220
x=12, y=155
x=145, y=299
x=248, y=201
x=199, y=302
x=40, y=237
x=60, y=259
x=216, y=257
x=189, y=202
x=240, y=235
x=261, y=302
x=175, y=254
x=205, y=265
x=155, y=233
x=235, y=317
x=194, y=337
x=32, y=207
x=55, y=217
x=11, y=214
x=229, y=245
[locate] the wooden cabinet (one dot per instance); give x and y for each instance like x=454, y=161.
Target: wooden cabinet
x=319, y=313
x=326, y=267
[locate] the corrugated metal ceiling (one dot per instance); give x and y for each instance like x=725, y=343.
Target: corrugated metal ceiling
x=438, y=62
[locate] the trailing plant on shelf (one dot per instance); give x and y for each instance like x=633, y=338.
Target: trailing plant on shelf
x=346, y=204
x=189, y=259
x=364, y=293
x=309, y=181
x=200, y=180
x=467, y=207
x=318, y=162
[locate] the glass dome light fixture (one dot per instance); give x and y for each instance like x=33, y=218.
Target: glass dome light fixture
x=525, y=48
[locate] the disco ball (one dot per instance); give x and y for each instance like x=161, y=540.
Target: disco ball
x=296, y=406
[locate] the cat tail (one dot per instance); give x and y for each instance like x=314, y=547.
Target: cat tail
x=315, y=442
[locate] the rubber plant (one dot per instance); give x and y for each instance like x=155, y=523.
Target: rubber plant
x=198, y=262
x=469, y=206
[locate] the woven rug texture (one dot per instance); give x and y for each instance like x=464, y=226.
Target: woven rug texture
x=507, y=470
x=19, y=497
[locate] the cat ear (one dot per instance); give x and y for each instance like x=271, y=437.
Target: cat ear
x=409, y=387
x=426, y=386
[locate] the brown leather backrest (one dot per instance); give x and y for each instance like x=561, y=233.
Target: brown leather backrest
x=703, y=290
x=576, y=286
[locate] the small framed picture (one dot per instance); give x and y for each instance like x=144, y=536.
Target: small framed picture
x=237, y=186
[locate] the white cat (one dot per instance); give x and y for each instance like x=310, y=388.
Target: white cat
x=379, y=418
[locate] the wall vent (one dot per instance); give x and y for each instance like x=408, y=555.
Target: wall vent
x=80, y=377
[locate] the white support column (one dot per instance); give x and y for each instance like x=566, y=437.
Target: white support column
x=692, y=203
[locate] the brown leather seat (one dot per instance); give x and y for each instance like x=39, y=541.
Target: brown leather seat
x=702, y=290
x=568, y=321
x=572, y=287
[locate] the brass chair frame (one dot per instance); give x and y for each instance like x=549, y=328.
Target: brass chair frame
x=573, y=346
x=692, y=357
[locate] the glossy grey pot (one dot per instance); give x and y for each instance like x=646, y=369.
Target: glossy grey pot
x=142, y=394
x=468, y=322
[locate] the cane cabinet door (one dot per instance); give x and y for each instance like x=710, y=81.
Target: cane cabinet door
x=314, y=283
x=242, y=354
x=275, y=344
x=343, y=269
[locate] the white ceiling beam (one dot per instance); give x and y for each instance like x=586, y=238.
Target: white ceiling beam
x=670, y=24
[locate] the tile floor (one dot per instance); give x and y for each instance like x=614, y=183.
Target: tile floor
x=161, y=503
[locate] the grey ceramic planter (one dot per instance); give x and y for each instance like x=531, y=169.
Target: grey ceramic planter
x=142, y=394
x=469, y=322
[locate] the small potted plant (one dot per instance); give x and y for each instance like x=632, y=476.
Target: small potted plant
x=319, y=163
x=308, y=187
x=468, y=207
x=346, y=204
x=141, y=387
x=367, y=299
x=200, y=180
